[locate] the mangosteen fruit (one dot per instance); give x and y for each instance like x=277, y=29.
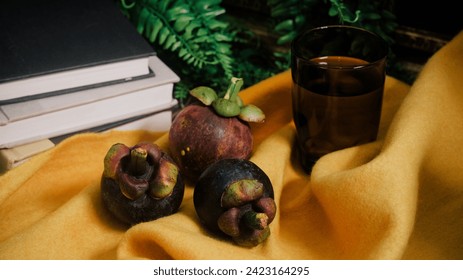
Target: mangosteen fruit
x=211, y=129
x=235, y=198
x=140, y=183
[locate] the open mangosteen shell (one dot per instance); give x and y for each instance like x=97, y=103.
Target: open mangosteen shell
x=143, y=209
x=213, y=182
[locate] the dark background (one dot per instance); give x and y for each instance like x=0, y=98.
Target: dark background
x=442, y=17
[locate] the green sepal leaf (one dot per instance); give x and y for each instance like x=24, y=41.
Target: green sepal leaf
x=226, y=108
x=251, y=113
x=204, y=94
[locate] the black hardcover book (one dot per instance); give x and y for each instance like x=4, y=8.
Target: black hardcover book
x=58, y=45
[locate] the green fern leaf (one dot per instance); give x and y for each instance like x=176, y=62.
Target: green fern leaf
x=202, y=32
x=221, y=37
x=286, y=25
x=183, y=52
x=191, y=60
x=174, y=13
x=200, y=39
x=215, y=24
x=175, y=46
x=163, y=34
x=190, y=28
x=189, y=31
x=223, y=48
x=182, y=22
x=157, y=25
x=162, y=5
x=204, y=4
x=171, y=39
x=333, y=11
x=287, y=38
x=144, y=14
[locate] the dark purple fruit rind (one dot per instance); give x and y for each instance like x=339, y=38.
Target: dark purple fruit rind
x=211, y=185
x=199, y=137
x=142, y=207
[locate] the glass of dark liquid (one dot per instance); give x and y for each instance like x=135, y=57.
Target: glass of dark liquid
x=338, y=75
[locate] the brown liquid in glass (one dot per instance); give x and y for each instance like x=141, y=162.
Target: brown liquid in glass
x=336, y=108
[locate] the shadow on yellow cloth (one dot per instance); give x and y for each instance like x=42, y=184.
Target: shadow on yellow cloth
x=400, y=197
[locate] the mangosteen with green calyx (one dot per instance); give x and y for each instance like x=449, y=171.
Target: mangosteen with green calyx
x=140, y=183
x=235, y=197
x=212, y=129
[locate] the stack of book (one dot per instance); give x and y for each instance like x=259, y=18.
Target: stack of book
x=72, y=66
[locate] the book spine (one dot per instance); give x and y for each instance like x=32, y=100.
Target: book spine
x=10, y=158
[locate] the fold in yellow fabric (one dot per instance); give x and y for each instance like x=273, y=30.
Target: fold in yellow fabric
x=400, y=197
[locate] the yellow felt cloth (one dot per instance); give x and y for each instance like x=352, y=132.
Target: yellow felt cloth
x=400, y=197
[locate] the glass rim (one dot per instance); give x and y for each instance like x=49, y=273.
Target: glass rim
x=380, y=40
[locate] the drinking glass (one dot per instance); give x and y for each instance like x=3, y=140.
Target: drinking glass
x=338, y=75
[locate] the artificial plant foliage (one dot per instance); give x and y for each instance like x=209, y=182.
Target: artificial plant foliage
x=205, y=47
x=293, y=16
x=188, y=33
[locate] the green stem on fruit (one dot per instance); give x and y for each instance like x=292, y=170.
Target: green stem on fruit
x=255, y=220
x=137, y=163
x=266, y=205
x=230, y=104
x=233, y=88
